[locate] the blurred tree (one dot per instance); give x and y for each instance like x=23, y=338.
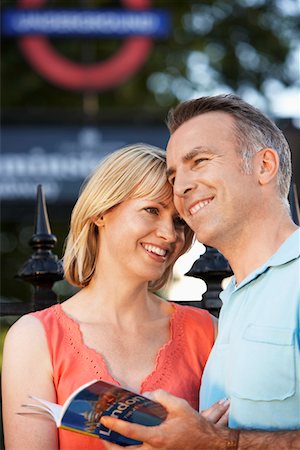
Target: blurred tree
x=246, y=46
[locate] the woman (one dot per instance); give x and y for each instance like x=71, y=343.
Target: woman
x=124, y=239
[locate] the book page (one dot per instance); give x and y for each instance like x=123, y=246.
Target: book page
x=46, y=407
x=50, y=409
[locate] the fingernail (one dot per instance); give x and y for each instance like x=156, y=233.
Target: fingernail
x=148, y=394
x=224, y=402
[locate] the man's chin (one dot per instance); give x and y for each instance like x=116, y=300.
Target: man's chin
x=204, y=237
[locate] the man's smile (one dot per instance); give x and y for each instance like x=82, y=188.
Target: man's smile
x=199, y=205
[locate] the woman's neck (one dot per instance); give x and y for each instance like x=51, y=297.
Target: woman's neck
x=116, y=301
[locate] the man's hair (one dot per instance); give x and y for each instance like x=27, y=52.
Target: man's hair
x=253, y=131
x=132, y=172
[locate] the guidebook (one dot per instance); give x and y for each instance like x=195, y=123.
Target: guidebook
x=83, y=409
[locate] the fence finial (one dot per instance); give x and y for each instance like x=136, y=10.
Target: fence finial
x=43, y=268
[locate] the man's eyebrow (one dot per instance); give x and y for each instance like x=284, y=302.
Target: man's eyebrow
x=188, y=157
x=197, y=151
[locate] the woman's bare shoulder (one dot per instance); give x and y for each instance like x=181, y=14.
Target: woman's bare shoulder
x=26, y=325
x=26, y=333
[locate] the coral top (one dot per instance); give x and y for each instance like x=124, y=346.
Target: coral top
x=178, y=368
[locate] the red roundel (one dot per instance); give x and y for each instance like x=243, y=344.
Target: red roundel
x=59, y=70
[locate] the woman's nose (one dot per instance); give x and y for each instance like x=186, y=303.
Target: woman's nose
x=167, y=231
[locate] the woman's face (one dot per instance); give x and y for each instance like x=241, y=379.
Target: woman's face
x=141, y=238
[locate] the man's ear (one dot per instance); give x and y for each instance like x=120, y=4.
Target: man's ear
x=267, y=165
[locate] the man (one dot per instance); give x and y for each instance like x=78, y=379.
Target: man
x=230, y=168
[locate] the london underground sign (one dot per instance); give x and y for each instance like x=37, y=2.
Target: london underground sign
x=136, y=23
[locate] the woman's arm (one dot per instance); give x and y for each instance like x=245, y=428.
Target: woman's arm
x=27, y=370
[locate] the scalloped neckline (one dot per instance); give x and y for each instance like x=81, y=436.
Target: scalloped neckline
x=97, y=358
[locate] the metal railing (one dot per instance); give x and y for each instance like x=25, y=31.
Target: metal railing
x=44, y=268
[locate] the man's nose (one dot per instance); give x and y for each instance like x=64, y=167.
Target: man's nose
x=183, y=184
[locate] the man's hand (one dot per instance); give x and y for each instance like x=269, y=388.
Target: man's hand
x=184, y=428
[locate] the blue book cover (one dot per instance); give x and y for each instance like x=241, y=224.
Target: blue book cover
x=84, y=408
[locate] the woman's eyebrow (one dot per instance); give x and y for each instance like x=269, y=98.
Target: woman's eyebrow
x=170, y=172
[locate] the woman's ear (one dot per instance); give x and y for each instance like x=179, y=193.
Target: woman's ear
x=99, y=221
x=268, y=165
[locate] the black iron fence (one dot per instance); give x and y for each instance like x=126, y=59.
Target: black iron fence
x=44, y=268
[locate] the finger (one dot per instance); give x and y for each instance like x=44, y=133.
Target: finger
x=169, y=401
x=110, y=446
x=216, y=411
x=223, y=421
x=130, y=430
x=148, y=394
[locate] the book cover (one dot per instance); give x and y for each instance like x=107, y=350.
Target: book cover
x=84, y=408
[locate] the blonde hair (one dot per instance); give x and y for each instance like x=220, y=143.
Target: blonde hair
x=134, y=171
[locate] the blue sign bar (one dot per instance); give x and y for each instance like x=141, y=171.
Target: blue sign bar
x=85, y=22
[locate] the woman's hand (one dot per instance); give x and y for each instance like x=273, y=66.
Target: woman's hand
x=218, y=413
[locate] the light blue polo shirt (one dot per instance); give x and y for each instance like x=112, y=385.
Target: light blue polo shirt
x=255, y=361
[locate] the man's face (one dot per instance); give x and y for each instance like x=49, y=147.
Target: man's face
x=211, y=192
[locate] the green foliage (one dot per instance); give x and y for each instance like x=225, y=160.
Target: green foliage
x=3, y=330
x=214, y=46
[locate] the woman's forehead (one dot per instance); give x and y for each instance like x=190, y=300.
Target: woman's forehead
x=164, y=195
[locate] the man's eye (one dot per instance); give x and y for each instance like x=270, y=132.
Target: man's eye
x=200, y=160
x=152, y=210
x=179, y=222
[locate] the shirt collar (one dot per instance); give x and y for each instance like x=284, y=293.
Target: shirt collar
x=288, y=251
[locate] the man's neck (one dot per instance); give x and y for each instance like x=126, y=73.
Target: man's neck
x=252, y=250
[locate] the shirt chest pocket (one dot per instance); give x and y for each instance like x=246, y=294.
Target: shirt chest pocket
x=263, y=367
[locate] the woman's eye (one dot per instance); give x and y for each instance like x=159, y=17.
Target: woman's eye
x=179, y=222
x=152, y=210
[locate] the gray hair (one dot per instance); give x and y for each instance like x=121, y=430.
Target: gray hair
x=253, y=131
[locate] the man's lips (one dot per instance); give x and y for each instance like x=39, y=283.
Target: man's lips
x=195, y=207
